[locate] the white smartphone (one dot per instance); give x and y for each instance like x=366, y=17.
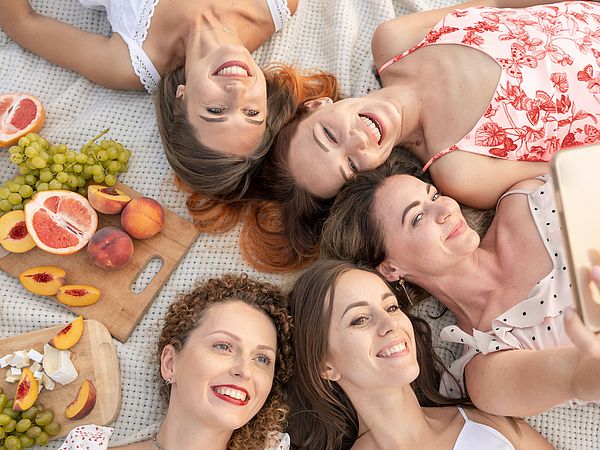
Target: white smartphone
x=577, y=187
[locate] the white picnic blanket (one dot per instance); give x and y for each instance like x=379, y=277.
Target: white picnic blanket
x=332, y=35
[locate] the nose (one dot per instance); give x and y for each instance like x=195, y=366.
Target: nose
x=236, y=90
x=240, y=368
x=387, y=324
x=357, y=140
x=444, y=210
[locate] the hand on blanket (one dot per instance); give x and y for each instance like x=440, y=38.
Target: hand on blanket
x=585, y=381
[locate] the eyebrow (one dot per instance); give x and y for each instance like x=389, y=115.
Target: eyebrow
x=223, y=119
x=365, y=303
x=413, y=204
x=319, y=143
x=238, y=339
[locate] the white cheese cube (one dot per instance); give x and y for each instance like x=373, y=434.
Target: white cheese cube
x=35, y=355
x=15, y=371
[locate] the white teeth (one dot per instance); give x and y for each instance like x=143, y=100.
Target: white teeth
x=392, y=350
x=372, y=126
x=233, y=70
x=233, y=393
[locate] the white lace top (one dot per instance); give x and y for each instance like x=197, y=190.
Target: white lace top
x=131, y=19
x=94, y=437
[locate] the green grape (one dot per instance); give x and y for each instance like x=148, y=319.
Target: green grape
x=44, y=143
x=19, y=179
x=105, y=144
x=5, y=205
x=114, y=166
x=33, y=137
x=13, y=186
x=63, y=177
x=13, y=442
x=23, y=425
x=9, y=411
x=53, y=428
x=42, y=439
x=46, y=175
x=17, y=159
x=57, y=168
x=14, y=198
x=65, y=187
x=24, y=142
x=62, y=148
x=26, y=441
x=10, y=426
x=24, y=169
x=113, y=153
x=97, y=169
x=53, y=149
x=59, y=158
x=4, y=419
x=30, y=179
x=4, y=192
x=105, y=164
x=30, y=413
x=102, y=155
x=85, y=149
x=87, y=171
x=45, y=156
x=38, y=162
x=25, y=191
x=73, y=181
x=34, y=432
x=77, y=168
x=29, y=164
x=82, y=191
x=70, y=156
x=44, y=417
x=18, y=207
x=110, y=180
x=42, y=187
x=15, y=149
x=54, y=185
x=91, y=161
x=81, y=158
x=98, y=178
x=2, y=433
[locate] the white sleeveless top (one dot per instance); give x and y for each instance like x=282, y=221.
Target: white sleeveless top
x=476, y=436
x=131, y=19
x=94, y=437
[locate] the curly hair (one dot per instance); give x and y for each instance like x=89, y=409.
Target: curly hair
x=185, y=315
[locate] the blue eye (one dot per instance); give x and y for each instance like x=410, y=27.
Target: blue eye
x=224, y=346
x=215, y=110
x=263, y=359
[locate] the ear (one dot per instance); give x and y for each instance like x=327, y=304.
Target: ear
x=167, y=362
x=389, y=271
x=315, y=104
x=180, y=91
x=330, y=373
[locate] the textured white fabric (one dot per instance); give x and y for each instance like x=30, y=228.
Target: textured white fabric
x=475, y=435
x=279, y=12
x=333, y=35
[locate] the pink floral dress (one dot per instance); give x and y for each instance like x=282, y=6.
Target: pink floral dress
x=548, y=96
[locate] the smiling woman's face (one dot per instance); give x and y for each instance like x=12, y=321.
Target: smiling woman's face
x=337, y=140
x=225, y=96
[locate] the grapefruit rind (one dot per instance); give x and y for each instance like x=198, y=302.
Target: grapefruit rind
x=20, y=114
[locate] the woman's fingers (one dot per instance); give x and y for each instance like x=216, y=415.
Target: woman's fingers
x=584, y=339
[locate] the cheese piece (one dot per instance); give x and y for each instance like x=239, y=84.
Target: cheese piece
x=35, y=355
x=36, y=366
x=15, y=371
x=10, y=378
x=20, y=359
x=58, y=366
x=48, y=382
x=38, y=375
x=4, y=360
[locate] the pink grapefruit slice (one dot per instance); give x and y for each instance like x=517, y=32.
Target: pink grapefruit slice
x=19, y=114
x=60, y=222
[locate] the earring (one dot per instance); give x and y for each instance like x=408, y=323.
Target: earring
x=401, y=284
x=168, y=382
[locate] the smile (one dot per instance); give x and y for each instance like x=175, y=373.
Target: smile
x=374, y=126
x=457, y=230
x=233, y=69
x=392, y=350
x=232, y=394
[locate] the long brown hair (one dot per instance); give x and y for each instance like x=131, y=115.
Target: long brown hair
x=322, y=416
x=186, y=313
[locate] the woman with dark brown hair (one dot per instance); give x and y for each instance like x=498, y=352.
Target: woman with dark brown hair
x=365, y=376
x=225, y=354
x=509, y=291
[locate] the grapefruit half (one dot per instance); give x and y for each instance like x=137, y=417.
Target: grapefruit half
x=60, y=222
x=19, y=114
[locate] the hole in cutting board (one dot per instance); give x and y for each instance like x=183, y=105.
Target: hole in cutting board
x=147, y=275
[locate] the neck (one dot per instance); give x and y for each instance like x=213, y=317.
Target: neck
x=181, y=430
x=390, y=418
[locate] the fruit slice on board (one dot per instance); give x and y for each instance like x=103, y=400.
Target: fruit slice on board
x=69, y=335
x=60, y=222
x=84, y=403
x=43, y=280
x=13, y=233
x=78, y=295
x=27, y=391
x=19, y=114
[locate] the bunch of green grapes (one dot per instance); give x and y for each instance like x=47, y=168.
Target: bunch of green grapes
x=24, y=429
x=45, y=167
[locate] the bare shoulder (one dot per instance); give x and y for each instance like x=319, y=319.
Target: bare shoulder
x=397, y=35
x=293, y=5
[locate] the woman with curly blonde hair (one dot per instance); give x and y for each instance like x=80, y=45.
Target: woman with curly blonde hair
x=225, y=353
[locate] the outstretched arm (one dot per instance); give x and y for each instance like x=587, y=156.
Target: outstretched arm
x=103, y=60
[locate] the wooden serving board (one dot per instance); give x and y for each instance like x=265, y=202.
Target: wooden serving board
x=94, y=357
x=119, y=307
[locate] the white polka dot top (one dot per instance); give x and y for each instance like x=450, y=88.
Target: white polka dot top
x=534, y=323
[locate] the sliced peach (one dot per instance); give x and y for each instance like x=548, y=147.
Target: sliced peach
x=69, y=335
x=142, y=218
x=84, y=403
x=107, y=200
x=27, y=391
x=43, y=280
x=14, y=236
x=110, y=248
x=78, y=295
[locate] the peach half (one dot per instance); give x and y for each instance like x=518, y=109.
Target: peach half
x=110, y=248
x=142, y=218
x=43, y=280
x=107, y=200
x=27, y=391
x=68, y=336
x=14, y=236
x=84, y=403
x=78, y=295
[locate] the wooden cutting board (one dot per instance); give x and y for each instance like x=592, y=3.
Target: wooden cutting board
x=94, y=357
x=119, y=307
